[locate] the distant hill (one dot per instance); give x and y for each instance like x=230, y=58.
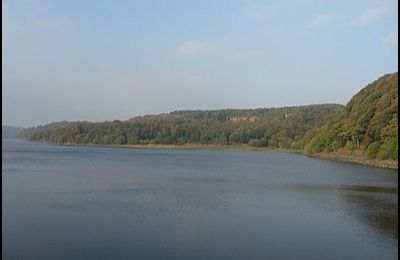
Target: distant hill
x=365, y=128
x=367, y=125
x=275, y=127
x=10, y=131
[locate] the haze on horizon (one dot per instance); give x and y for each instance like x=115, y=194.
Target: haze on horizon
x=105, y=60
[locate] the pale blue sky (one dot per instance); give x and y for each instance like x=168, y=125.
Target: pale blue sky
x=104, y=60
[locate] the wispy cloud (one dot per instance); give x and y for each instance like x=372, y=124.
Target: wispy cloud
x=249, y=53
x=371, y=15
x=53, y=23
x=260, y=12
x=193, y=47
x=392, y=38
x=321, y=19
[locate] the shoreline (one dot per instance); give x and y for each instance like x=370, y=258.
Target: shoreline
x=340, y=157
x=387, y=164
x=348, y=158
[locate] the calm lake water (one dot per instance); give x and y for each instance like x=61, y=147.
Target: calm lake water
x=115, y=203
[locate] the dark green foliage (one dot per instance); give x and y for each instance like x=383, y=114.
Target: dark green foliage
x=393, y=148
x=389, y=149
x=278, y=127
x=368, y=123
x=373, y=150
x=317, y=144
x=259, y=142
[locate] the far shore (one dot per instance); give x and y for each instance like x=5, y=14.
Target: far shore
x=389, y=164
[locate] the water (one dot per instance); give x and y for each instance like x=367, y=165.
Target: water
x=115, y=203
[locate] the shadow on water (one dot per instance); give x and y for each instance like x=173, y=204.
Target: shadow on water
x=375, y=206
x=372, y=206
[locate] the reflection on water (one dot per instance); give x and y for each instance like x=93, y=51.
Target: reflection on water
x=376, y=207
x=109, y=203
x=373, y=206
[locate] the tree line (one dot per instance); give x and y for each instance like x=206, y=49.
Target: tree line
x=275, y=127
x=367, y=125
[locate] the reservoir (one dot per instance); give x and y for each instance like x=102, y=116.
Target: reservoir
x=64, y=202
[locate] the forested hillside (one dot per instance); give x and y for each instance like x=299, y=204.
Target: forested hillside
x=275, y=127
x=366, y=125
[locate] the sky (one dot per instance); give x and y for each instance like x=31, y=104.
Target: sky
x=102, y=60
